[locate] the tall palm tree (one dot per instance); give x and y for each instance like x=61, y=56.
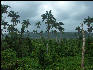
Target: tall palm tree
x=49, y=20
x=81, y=30
x=14, y=19
x=83, y=48
x=14, y=16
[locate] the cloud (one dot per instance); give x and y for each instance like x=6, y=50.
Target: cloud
x=71, y=13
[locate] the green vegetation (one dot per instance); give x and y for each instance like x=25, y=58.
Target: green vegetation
x=31, y=54
x=25, y=53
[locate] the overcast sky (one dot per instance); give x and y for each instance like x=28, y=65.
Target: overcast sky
x=71, y=13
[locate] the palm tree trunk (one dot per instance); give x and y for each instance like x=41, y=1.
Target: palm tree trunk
x=56, y=37
x=89, y=35
x=40, y=35
x=48, y=39
x=48, y=35
x=1, y=31
x=83, y=49
x=61, y=36
x=21, y=34
x=47, y=48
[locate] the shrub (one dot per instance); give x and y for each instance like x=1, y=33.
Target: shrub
x=8, y=59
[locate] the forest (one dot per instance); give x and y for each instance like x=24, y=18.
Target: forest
x=19, y=51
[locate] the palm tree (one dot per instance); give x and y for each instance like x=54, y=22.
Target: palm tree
x=14, y=17
x=25, y=24
x=38, y=24
x=4, y=11
x=79, y=32
x=4, y=24
x=11, y=28
x=58, y=26
x=55, y=32
x=41, y=32
x=28, y=33
x=83, y=47
x=34, y=31
x=78, y=28
x=49, y=20
x=52, y=32
x=61, y=29
x=88, y=21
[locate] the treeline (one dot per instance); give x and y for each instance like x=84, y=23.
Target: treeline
x=65, y=35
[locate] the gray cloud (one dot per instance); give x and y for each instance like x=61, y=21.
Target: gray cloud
x=71, y=13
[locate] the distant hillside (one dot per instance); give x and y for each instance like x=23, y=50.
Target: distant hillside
x=67, y=35
x=64, y=35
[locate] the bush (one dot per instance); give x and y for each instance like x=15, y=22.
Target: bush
x=8, y=59
x=27, y=63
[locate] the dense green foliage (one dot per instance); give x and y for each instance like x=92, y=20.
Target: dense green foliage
x=27, y=54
